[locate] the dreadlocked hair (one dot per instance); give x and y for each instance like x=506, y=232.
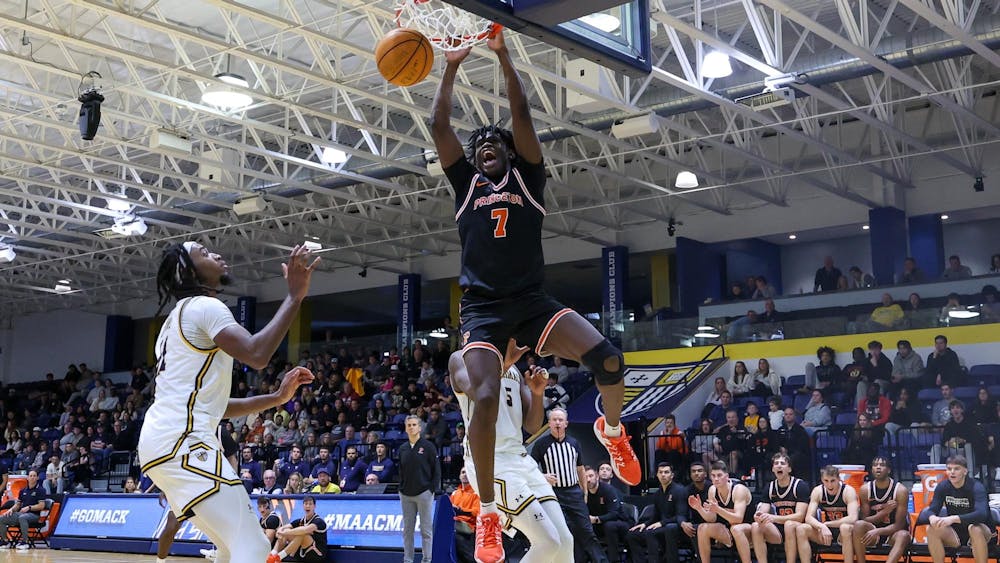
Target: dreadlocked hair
x=177, y=277
x=493, y=129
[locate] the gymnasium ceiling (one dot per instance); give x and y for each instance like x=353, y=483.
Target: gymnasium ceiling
x=865, y=64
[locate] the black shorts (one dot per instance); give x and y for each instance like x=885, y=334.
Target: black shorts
x=310, y=555
x=527, y=318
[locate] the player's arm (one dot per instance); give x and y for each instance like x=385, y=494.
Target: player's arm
x=813, y=507
x=798, y=516
x=256, y=350
x=865, y=503
x=695, y=503
x=525, y=138
x=290, y=384
x=446, y=142
x=533, y=399
x=270, y=535
x=301, y=530
x=900, y=520
x=741, y=500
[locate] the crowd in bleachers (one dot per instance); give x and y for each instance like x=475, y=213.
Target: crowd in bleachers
x=348, y=424
x=913, y=409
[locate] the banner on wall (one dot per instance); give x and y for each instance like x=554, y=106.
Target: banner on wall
x=409, y=309
x=246, y=313
x=374, y=522
x=650, y=391
x=614, y=261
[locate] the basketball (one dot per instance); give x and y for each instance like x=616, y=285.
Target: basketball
x=404, y=57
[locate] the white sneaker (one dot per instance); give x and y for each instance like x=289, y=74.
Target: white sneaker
x=23, y=547
x=209, y=553
x=6, y=546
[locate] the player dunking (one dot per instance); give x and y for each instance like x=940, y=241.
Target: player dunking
x=499, y=204
x=524, y=494
x=178, y=446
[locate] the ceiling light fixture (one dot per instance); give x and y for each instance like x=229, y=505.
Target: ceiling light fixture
x=716, y=65
x=944, y=217
x=686, y=180
x=226, y=96
x=129, y=226
x=312, y=245
x=706, y=328
x=792, y=237
x=118, y=204
x=438, y=333
x=603, y=21
x=333, y=157
x=65, y=281
x=963, y=314
x=7, y=254
x=865, y=227
x=62, y=288
x=706, y=335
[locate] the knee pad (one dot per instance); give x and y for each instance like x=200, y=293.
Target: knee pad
x=595, y=358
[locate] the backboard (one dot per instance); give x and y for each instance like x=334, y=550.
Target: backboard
x=617, y=38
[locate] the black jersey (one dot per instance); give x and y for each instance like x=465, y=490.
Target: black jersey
x=878, y=498
x=832, y=508
x=969, y=502
x=784, y=500
x=272, y=522
x=319, y=536
x=500, y=225
x=730, y=504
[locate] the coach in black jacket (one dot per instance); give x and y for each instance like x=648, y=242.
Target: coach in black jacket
x=607, y=513
x=670, y=510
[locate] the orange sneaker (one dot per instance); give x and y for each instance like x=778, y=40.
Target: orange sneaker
x=273, y=558
x=623, y=460
x=489, y=544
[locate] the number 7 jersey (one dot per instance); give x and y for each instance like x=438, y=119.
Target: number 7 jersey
x=500, y=225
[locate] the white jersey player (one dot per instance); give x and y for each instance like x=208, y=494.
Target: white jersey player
x=522, y=493
x=178, y=446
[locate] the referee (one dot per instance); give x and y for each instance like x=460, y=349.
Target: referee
x=559, y=457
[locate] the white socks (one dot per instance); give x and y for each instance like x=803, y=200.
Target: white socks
x=159, y=560
x=612, y=431
x=488, y=508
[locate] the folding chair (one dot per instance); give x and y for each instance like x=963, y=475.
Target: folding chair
x=37, y=531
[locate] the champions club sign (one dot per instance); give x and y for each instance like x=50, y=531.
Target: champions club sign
x=409, y=309
x=650, y=391
x=614, y=263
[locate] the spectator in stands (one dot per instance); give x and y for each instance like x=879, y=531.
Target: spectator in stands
x=955, y=269
x=465, y=501
x=324, y=462
x=742, y=382
x=855, y=375
x=775, y=412
x=826, y=374
x=731, y=441
x=715, y=396
x=718, y=414
x=879, y=365
x=295, y=464
x=672, y=446
x=961, y=435
x=864, y=439
x=436, y=429
x=129, y=487
x=827, y=276
x=295, y=485
x=795, y=442
x=943, y=365
x=887, y=316
x=55, y=481
x=770, y=314
x=323, y=485
x=736, y=292
x=740, y=329
x=761, y=445
x=842, y=284
x=663, y=525
x=352, y=470
x=876, y=405
x=954, y=303
x=941, y=410
x=984, y=409
x=762, y=289
x=382, y=465
x=607, y=514
x=995, y=264
x=859, y=279
x=817, y=415
x=905, y=412
x=703, y=446
x=751, y=417
x=270, y=485
x=559, y=370
x=555, y=394
x=766, y=380
x=907, y=368
x=911, y=273
x=989, y=309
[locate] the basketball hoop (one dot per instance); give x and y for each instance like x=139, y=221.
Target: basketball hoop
x=447, y=27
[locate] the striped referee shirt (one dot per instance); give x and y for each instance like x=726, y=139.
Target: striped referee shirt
x=560, y=458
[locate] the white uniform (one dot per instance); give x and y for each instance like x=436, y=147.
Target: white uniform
x=178, y=446
x=518, y=482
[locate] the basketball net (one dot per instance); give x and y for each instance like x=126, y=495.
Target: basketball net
x=447, y=27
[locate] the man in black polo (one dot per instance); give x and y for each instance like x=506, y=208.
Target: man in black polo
x=559, y=457
x=607, y=514
x=670, y=511
x=25, y=512
x=419, y=477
